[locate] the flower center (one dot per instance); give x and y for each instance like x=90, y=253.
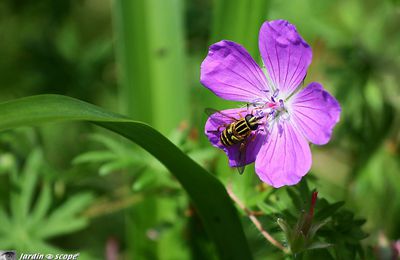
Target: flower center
x=272, y=107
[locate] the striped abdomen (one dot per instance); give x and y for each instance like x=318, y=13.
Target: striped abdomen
x=237, y=131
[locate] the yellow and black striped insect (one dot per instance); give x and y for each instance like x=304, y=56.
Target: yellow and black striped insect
x=237, y=131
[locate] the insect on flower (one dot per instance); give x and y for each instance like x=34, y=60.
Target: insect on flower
x=236, y=132
x=292, y=115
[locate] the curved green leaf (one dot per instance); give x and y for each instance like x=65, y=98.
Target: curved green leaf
x=206, y=192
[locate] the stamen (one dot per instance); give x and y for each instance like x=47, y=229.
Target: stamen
x=272, y=113
x=281, y=103
x=272, y=109
x=259, y=113
x=276, y=93
x=280, y=129
x=257, y=103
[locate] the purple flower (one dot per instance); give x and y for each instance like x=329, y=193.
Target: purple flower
x=292, y=116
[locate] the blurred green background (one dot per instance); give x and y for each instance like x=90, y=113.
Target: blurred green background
x=90, y=192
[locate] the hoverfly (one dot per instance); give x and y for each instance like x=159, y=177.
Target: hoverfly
x=237, y=131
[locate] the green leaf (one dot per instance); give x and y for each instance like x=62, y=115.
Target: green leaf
x=296, y=199
x=95, y=156
x=72, y=206
x=114, y=166
x=328, y=211
x=58, y=227
x=23, y=190
x=315, y=226
x=112, y=144
x=145, y=179
x=319, y=245
x=285, y=228
x=63, y=219
x=42, y=205
x=266, y=208
x=207, y=193
x=29, y=179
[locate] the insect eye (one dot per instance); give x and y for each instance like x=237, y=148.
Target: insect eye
x=248, y=117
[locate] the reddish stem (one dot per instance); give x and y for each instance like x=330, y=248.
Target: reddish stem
x=313, y=201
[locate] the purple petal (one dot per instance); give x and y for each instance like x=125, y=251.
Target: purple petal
x=315, y=112
x=285, y=54
x=253, y=145
x=285, y=157
x=217, y=122
x=231, y=73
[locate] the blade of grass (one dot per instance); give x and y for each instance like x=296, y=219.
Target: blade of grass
x=167, y=63
x=136, y=99
x=244, y=19
x=151, y=57
x=208, y=195
x=133, y=58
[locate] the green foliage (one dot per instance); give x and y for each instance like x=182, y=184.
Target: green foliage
x=214, y=207
x=46, y=44
x=320, y=225
x=383, y=208
x=149, y=177
x=31, y=220
x=119, y=156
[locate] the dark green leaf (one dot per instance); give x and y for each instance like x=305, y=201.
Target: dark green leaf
x=296, y=199
x=328, y=211
x=315, y=226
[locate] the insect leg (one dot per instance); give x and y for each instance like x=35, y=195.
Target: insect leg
x=253, y=137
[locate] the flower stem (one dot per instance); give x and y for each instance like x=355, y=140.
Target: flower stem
x=255, y=220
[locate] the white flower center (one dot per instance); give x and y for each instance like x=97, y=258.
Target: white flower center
x=272, y=109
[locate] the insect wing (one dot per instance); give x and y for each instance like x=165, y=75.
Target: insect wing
x=242, y=157
x=240, y=169
x=217, y=115
x=219, y=119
